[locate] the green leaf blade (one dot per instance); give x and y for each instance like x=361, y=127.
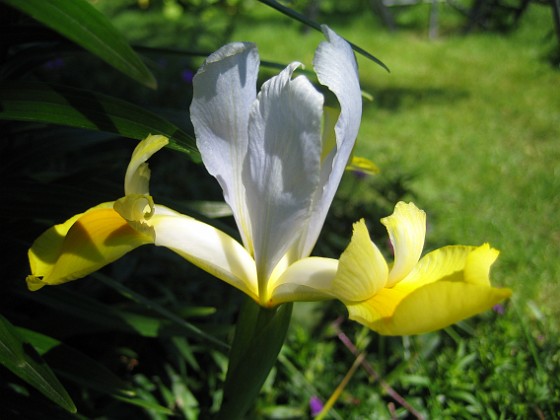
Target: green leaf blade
x=80, y=22
x=46, y=103
x=75, y=365
x=291, y=13
x=25, y=362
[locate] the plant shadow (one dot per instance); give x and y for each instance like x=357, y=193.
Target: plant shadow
x=395, y=98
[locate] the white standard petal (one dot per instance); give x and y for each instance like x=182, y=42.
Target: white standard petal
x=282, y=167
x=206, y=247
x=224, y=90
x=336, y=69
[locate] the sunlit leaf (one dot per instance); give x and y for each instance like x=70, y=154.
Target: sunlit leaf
x=45, y=103
x=80, y=22
x=40, y=342
x=305, y=20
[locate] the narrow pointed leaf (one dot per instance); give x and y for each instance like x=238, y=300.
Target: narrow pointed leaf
x=111, y=318
x=130, y=294
x=45, y=103
x=306, y=21
x=149, y=405
x=80, y=22
x=103, y=317
x=24, y=361
x=75, y=365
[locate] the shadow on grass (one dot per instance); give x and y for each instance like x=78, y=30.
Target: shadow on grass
x=395, y=98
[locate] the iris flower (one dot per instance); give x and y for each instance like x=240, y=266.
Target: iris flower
x=278, y=156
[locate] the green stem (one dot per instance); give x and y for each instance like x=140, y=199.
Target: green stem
x=259, y=336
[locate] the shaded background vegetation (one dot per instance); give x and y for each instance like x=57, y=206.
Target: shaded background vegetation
x=466, y=126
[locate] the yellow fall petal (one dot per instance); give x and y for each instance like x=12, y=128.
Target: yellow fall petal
x=407, y=231
x=446, y=263
x=46, y=248
x=452, y=263
x=429, y=308
x=80, y=246
x=448, y=285
x=362, y=270
x=374, y=310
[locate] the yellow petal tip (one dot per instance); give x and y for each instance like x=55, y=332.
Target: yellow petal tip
x=363, y=165
x=34, y=283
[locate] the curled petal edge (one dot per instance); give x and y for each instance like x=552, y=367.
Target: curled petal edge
x=407, y=232
x=362, y=270
x=137, y=177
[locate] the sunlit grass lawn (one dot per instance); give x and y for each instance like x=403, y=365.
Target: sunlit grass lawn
x=472, y=122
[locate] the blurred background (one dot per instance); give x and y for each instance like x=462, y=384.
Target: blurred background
x=466, y=124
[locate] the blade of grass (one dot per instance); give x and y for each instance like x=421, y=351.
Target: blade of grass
x=534, y=352
x=338, y=391
x=372, y=373
x=75, y=365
